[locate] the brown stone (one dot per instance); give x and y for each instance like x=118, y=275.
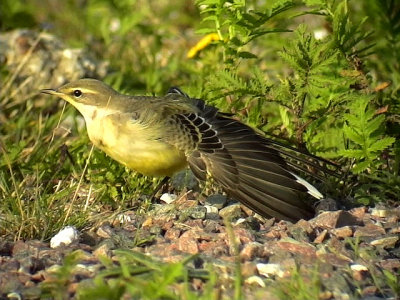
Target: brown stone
x=369, y=230
x=244, y=235
x=321, y=237
x=172, y=234
x=325, y=295
x=250, y=251
x=104, y=249
x=163, y=250
x=300, y=232
x=228, y=258
x=334, y=259
x=342, y=232
x=188, y=243
x=197, y=284
x=39, y=276
x=334, y=219
x=358, y=212
x=167, y=225
x=20, y=248
x=278, y=231
x=369, y=291
x=9, y=265
x=248, y=269
x=337, y=246
x=231, y=212
x=9, y=282
x=175, y=258
x=72, y=287
x=385, y=242
x=148, y=222
x=184, y=203
x=390, y=264
x=197, y=223
x=360, y=272
x=23, y=277
x=293, y=246
x=214, y=248
x=395, y=230
x=105, y=231
x=305, y=225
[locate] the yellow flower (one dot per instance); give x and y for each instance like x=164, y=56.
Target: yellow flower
x=204, y=42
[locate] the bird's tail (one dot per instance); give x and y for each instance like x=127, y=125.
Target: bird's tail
x=250, y=170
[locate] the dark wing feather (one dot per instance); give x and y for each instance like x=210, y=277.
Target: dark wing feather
x=244, y=163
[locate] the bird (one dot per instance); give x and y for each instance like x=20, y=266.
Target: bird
x=161, y=135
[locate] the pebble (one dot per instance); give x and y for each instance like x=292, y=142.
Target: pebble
x=168, y=198
x=66, y=236
x=386, y=242
x=269, y=270
x=255, y=280
x=217, y=201
x=231, y=212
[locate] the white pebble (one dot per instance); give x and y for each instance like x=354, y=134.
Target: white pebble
x=359, y=268
x=65, y=236
x=211, y=209
x=255, y=280
x=124, y=219
x=268, y=270
x=168, y=198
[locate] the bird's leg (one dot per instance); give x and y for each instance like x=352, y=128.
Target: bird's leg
x=160, y=186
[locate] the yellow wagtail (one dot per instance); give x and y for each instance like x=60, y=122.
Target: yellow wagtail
x=159, y=136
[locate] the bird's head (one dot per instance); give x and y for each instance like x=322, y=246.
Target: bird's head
x=85, y=92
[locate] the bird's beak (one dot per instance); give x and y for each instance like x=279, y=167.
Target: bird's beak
x=49, y=91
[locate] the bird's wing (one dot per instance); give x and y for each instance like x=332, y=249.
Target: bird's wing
x=250, y=171
x=240, y=160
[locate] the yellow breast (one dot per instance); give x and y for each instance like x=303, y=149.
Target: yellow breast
x=135, y=146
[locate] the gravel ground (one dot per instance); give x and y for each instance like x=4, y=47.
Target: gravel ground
x=348, y=249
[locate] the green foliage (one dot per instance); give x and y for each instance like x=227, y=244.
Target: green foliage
x=300, y=286
x=393, y=282
x=325, y=103
x=57, y=286
x=364, y=130
x=237, y=24
x=16, y=14
x=130, y=274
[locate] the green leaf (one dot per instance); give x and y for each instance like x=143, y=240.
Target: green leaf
x=381, y=144
x=245, y=54
x=374, y=124
x=353, y=135
x=314, y=2
x=353, y=153
x=361, y=166
x=204, y=31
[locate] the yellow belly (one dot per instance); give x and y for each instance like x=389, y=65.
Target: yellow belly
x=153, y=162
x=136, y=147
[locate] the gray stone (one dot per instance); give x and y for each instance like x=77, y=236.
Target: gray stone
x=185, y=179
x=231, y=212
x=217, y=201
x=198, y=212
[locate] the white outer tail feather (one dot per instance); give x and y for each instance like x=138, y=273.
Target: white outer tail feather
x=311, y=189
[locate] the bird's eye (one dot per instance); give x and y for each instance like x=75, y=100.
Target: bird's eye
x=77, y=93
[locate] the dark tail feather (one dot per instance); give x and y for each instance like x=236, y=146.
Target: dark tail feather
x=253, y=172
